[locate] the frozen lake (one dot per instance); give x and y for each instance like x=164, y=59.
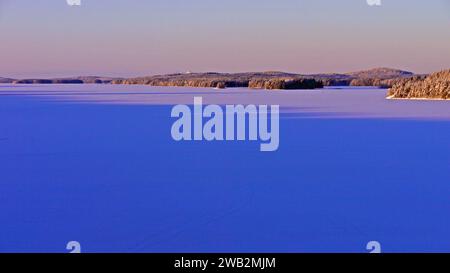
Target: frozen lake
x=97, y=164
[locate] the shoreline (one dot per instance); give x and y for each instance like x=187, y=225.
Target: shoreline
x=223, y=89
x=429, y=99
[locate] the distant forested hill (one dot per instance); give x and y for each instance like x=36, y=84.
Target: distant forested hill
x=380, y=77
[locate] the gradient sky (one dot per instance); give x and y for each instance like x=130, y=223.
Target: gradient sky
x=48, y=38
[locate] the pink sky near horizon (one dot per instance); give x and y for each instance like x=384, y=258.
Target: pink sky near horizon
x=136, y=38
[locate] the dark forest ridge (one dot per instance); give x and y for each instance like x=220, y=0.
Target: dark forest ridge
x=380, y=77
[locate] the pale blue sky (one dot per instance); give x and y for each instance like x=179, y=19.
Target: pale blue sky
x=48, y=38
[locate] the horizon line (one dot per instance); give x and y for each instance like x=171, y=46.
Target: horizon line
x=218, y=72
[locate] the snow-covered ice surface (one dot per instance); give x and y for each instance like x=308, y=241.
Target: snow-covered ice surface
x=97, y=164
